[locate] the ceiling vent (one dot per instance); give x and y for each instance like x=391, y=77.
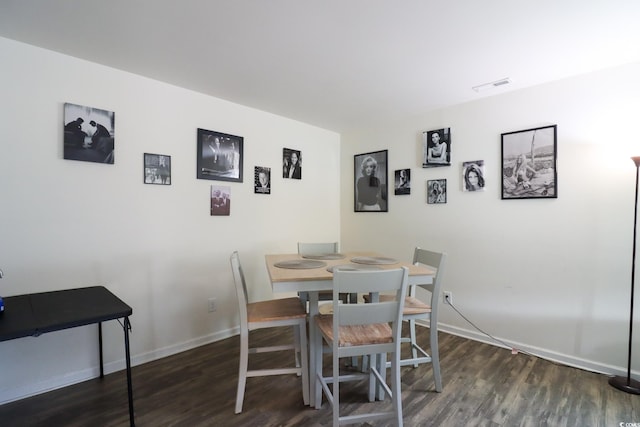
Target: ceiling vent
x=492, y=85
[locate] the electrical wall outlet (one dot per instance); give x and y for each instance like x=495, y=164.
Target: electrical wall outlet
x=447, y=297
x=212, y=305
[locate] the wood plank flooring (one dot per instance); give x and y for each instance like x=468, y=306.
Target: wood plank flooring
x=483, y=386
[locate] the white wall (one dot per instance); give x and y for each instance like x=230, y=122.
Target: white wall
x=66, y=224
x=549, y=276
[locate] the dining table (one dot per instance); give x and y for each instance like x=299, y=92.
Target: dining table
x=313, y=273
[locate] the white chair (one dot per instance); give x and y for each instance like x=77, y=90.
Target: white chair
x=415, y=309
x=319, y=249
x=363, y=329
x=287, y=312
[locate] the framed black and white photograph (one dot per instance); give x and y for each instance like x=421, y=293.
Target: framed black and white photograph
x=402, y=183
x=473, y=175
x=262, y=180
x=89, y=134
x=219, y=156
x=291, y=163
x=370, y=182
x=436, y=191
x=157, y=169
x=436, y=149
x=529, y=164
x=220, y=200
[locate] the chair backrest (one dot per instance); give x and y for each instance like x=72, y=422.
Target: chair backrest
x=241, y=288
x=435, y=260
x=317, y=248
x=370, y=281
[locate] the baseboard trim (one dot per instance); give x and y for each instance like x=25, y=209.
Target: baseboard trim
x=17, y=393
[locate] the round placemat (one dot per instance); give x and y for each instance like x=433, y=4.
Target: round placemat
x=300, y=264
x=323, y=256
x=353, y=267
x=374, y=260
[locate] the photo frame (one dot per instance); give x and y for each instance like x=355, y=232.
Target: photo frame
x=157, y=169
x=291, y=163
x=529, y=164
x=262, y=180
x=370, y=182
x=402, y=184
x=436, y=191
x=473, y=176
x=220, y=200
x=436, y=148
x=220, y=156
x=89, y=134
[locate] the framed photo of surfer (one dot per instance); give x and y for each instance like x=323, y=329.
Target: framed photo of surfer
x=529, y=164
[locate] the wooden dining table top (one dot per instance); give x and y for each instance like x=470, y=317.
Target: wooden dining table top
x=279, y=275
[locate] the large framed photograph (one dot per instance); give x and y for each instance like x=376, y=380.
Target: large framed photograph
x=529, y=164
x=157, y=169
x=89, y=134
x=436, y=146
x=370, y=182
x=219, y=156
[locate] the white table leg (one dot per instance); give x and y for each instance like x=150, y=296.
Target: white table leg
x=314, y=342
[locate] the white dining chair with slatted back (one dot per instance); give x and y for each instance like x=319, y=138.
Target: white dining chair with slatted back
x=415, y=309
x=311, y=249
x=363, y=329
x=287, y=312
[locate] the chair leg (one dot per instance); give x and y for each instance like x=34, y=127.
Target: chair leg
x=435, y=357
x=382, y=368
x=318, y=374
x=301, y=333
x=396, y=388
x=242, y=369
x=335, y=390
x=412, y=333
x=373, y=381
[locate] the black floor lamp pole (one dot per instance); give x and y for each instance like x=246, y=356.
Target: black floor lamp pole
x=628, y=384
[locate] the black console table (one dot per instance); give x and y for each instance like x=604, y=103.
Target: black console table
x=36, y=314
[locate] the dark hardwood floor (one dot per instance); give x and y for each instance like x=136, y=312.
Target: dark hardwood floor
x=483, y=386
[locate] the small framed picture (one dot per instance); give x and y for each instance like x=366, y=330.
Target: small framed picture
x=157, y=169
x=436, y=148
x=219, y=156
x=291, y=163
x=89, y=134
x=473, y=175
x=402, y=182
x=436, y=191
x=220, y=200
x=262, y=180
x=370, y=182
x=529, y=164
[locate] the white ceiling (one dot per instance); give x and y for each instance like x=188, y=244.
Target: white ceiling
x=336, y=64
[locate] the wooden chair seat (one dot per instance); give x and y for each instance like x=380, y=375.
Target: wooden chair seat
x=355, y=335
x=412, y=305
x=277, y=309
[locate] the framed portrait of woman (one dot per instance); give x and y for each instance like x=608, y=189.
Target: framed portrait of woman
x=370, y=182
x=436, y=148
x=529, y=164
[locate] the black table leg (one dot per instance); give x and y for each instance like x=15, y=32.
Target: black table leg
x=127, y=328
x=100, y=349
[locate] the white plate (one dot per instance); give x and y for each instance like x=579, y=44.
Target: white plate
x=300, y=264
x=353, y=267
x=323, y=256
x=374, y=260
